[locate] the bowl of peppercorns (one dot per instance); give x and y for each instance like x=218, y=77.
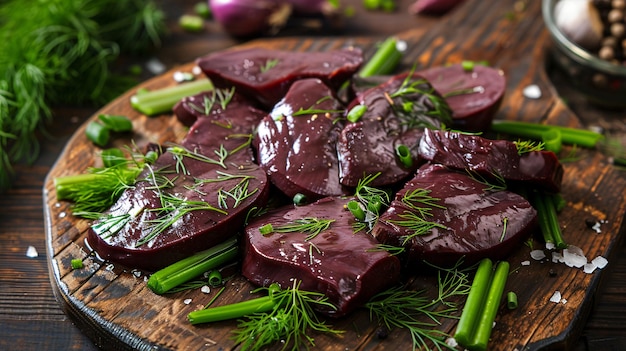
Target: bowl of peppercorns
x=589, y=38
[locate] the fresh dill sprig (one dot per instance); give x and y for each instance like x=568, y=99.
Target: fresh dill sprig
x=494, y=183
x=313, y=111
x=420, y=205
x=372, y=201
x=239, y=193
x=413, y=111
x=420, y=315
x=393, y=250
x=290, y=321
x=180, y=152
x=269, y=64
x=221, y=97
x=526, y=146
x=311, y=225
x=172, y=209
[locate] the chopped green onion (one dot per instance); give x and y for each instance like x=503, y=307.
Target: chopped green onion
x=552, y=140
x=163, y=100
x=215, y=278
x=112, y=157
x=98, y=134
x=548, y=218
x=572, y=136
x=468, y=66
x=184, y=270
x=236, y=310
x=266, y=229
x=404, y=154
x=476, y=322
x=76, y=263
x=202, y=9
x=356, y=210
x=511, y=300
x=191, y=23
x=356, y=113
x=385, y=59
x=299, y=199
x=474, y=303
x=116, y=123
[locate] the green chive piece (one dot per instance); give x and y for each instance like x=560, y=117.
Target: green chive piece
x=215, y=278
x=490, y=309
x=202, y=9
x=571, y=136
x=552, y=140
x=191, y=23
x=548, y=218
x=236, y=310
x=267, y=229
x=76, y=263
x=473, y=305
x=468, y=66
x=163, y=100
x=98, y=134
x=385, y=59
x=511, y=300
x=112, y=157
x=356, y=210
x=356, y=113
x=404, y=155
x=116, y=123
x=185, y=270
x=299, y=199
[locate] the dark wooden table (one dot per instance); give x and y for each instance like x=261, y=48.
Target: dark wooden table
x=31, y=318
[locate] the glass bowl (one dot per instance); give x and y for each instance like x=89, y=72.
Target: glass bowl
x=603, y=83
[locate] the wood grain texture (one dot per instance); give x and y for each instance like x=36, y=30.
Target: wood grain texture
x=118, y=310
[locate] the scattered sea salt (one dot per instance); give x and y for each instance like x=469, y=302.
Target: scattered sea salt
x=550, y=246
x=187, y=301
x=537, y=255
x=600, y=262
x=155, y=66
x=597, y=228
x=62, y=215
x=196, y=70
x=589, y=268
x=180, y=77
x=557, y=257
x=525, y=263
x=452, y=342
x=532, y=91
x=573, y=256
x=205, y=289
x=31, y=252
x=556, y=297
x=110, y=267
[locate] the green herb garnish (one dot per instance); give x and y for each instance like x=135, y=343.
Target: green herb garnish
x=309, y=225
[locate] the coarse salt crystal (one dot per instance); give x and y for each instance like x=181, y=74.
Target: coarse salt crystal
x=556, y=297
x=525, y=263
x=574, y=257
x=557, y=257
x=452, y=342
x=589, y=268
x=187, y=301
x=31, y=252
x=550, y=246
x=600, y=262
x=532, y=91
x=205, y=289
x=537, y=255
x=596, y=227
x=155, y=66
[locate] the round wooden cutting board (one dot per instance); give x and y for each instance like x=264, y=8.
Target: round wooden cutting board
x=113, y=305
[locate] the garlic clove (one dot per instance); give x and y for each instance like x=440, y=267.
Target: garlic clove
x=580, y=22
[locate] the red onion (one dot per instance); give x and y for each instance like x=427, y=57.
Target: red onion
x=244, y=18
x=433, y=7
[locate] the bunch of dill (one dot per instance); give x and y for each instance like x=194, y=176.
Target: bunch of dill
x=61, y=52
